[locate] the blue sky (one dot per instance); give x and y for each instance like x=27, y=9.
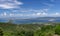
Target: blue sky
x=29, y=8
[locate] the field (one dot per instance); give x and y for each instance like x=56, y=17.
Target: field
x=47, y=29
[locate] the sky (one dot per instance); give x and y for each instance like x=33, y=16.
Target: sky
x=29, y=8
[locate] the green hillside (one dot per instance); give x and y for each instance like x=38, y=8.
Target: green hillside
x=9, y=29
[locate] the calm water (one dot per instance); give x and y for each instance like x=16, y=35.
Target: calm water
x=30, y=21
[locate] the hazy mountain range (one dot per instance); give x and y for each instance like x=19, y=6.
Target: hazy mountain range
x=31, y=20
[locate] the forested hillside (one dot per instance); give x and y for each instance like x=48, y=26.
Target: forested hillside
x=9, y=29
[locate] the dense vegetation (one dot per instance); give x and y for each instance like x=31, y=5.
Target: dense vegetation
x=9, y=29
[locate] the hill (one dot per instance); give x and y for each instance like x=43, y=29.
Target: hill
x=10, y=29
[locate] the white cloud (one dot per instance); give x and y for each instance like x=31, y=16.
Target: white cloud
x=35, y=13
x=11, y=14
x=31, y=10
x=7, y=4
x=20, y=3
x=55, y=14
x=4, y=14
x=42, y=14
x=38, y=14
x=45, y=10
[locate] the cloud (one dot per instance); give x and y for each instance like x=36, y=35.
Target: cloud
x=8, y=4
x=38, y=14
x=4, y=14
x=43, y=14
x=31, y=13
x=55, y=14
x=31, y=10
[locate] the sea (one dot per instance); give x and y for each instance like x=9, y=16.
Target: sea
x=24, y=21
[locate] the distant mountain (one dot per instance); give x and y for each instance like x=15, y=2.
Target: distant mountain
x=47, y=18
x=32, y=20
x=42, y=18
x=39, y=19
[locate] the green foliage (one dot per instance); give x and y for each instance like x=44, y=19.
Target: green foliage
x=29, y=29
x=1, y=32
x=57, y=30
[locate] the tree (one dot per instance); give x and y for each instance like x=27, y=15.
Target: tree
x=1, y=32
x=57, y=29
